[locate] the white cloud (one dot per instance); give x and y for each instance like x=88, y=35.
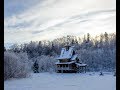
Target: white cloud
x=55, y=18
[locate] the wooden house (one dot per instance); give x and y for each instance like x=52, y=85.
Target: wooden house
x=68, y=61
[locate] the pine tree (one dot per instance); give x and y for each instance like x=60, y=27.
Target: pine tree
x=35, y=67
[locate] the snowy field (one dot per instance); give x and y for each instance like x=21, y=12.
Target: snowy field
x=65, y=81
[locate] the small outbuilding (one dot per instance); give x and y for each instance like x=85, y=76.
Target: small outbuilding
x=68, y=61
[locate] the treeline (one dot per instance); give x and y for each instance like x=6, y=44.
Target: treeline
x=99, y=53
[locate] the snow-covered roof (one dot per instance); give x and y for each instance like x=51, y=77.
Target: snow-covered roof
x=80, y=64
x=66, y=54
x=74, y=57
x=65, y=62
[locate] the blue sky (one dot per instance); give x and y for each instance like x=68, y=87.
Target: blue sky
x=35, y=20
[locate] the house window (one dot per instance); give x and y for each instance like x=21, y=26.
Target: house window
x=73, y=52
x=67, y=48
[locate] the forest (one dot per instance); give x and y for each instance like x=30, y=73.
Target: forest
x=98, y=52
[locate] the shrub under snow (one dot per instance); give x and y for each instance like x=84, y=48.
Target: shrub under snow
x=46, y=63
x=15, y=65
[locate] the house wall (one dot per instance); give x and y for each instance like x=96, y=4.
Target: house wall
x=64, y=60
x=70, y=66
x=62, y=65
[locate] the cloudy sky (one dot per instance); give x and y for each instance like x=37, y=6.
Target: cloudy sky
x=27, y=20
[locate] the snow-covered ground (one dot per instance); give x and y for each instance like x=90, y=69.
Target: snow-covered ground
x=65, y=81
